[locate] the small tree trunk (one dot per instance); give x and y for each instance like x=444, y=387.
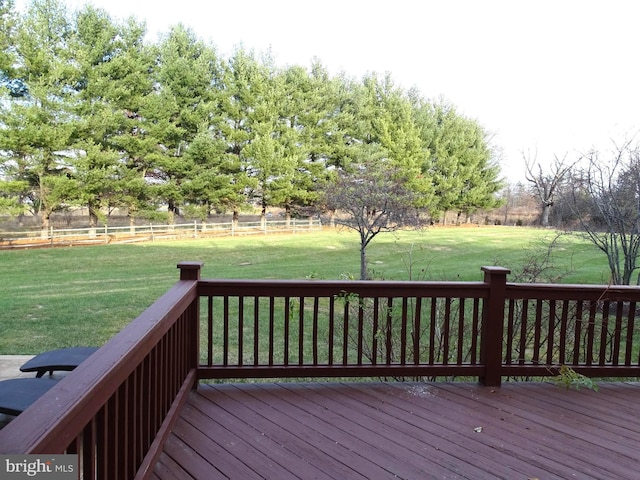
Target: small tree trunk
x=45, y=223
x=132, y=222
x=93, y=217
x=287, y=215
x=173, y=211
x=363, y=263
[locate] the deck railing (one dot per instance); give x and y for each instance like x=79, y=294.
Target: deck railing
x=255, y=328
x=592, y=329
x=116, y=408
x=490, y=329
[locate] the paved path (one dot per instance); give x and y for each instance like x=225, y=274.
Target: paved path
x=10, y=366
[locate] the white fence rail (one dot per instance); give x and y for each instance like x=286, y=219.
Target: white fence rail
x=151, y=232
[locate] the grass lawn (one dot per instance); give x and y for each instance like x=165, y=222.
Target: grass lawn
x=60, y=297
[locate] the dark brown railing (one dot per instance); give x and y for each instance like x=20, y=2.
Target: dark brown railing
x=262, y=329
x=590, y=328
x=116, y=408
x=489, y=329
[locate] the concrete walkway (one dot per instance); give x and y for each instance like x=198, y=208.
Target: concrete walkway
x=10, y=366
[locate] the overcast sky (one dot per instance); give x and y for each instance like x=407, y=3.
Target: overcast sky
x=554, y=77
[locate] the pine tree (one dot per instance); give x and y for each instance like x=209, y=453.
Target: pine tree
x=37, y=126
x=112, y=84
x=186, y=76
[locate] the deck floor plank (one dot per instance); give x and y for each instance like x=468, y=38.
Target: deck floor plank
x=552, y=439
x=167, y=469
x=242, y=440
x=593, y=407
x=384, y=423
x=448, y=433
x=180, y=447
x=366, y=446
x=405, y=430
x=591, y=417
x=305, y=437
x=467, y=419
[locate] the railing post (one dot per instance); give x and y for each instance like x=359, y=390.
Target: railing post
x=493, y=325
x=190, y=270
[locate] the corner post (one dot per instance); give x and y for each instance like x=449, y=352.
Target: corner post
x=493, y=325
x=190, y=270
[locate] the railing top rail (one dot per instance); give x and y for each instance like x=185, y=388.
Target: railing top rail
x=324, y=288
x=556, y=291
x=58, y=417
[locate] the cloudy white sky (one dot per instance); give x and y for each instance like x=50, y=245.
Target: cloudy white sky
x=556, y=77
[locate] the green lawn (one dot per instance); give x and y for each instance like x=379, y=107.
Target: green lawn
x=83, y=295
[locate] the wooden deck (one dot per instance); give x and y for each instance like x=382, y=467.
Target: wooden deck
x=405, y=430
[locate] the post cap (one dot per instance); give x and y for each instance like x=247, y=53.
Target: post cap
x=190, y=270
x=498, y=270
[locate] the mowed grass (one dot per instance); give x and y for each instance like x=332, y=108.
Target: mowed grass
x=52, y=298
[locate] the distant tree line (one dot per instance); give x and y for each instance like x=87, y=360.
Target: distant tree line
x=92, y=115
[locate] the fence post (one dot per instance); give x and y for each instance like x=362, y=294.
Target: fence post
x=493, y=325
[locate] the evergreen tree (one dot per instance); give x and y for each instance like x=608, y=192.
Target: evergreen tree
x=210, y=187
x=321, y=110
x=291, y=185
x=10, y=189
x=8, y=19
x=398, y=134
x=460, y=163
x=377, y=124
x=36, y=123
x=243, y=80
x=112, y=83
x=186, y=77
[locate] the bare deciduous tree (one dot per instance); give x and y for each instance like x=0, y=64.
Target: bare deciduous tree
x=370, y=201
x=545, y=184
x=606, y=200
